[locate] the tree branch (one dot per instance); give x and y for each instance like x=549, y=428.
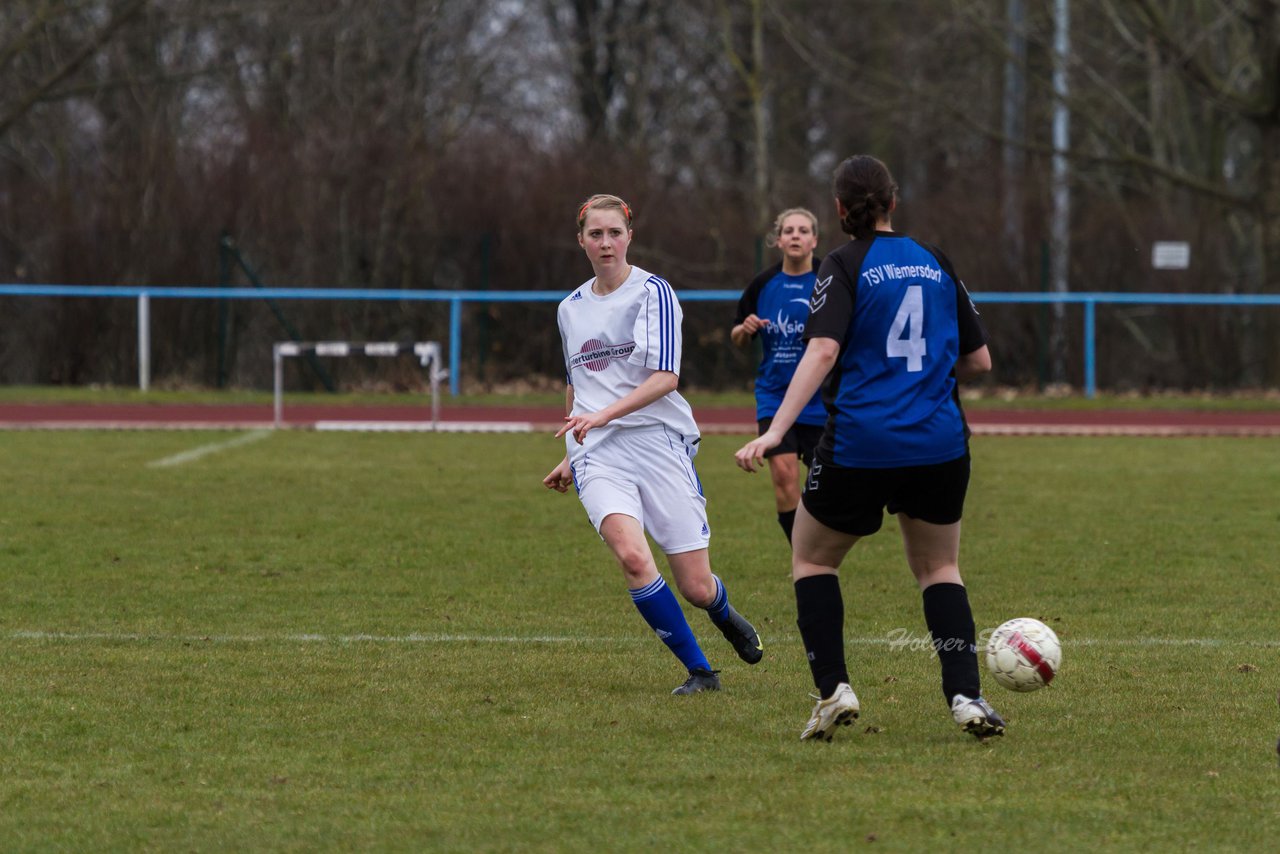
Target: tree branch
x=835, y=67
x=1200, y=73
x=41, y=16
x=87, y=50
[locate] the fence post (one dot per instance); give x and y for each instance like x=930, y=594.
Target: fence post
x=1090, y=354
x=455, y=343
x=144, y=342
x=240, y=260
x=277, y=387
x=224, y=309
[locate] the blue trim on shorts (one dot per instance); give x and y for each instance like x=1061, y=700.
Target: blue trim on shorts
x=688, y=455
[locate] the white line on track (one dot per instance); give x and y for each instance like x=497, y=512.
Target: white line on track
x=212, y=448
x=309, y=638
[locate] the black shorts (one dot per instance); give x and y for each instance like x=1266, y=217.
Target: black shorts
x=800, y=440
x=854, y=500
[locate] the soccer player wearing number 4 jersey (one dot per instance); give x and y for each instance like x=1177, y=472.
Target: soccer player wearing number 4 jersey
x=631, y=439
x=891, y=328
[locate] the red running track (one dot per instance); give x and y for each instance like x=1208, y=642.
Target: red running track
x=53, y=416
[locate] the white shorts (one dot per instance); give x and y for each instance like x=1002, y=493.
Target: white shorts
x=646, y=473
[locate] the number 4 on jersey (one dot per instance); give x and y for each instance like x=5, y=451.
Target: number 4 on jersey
x=910, y=320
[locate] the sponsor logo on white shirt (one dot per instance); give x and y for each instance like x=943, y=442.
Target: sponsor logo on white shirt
x=596, y=355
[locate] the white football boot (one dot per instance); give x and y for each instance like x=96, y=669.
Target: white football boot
x=976, y=716
x=840, y=709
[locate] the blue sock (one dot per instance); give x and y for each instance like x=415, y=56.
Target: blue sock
x=658, y=605
x=719, y=607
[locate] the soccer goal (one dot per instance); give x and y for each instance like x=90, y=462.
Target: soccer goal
x=427, y=352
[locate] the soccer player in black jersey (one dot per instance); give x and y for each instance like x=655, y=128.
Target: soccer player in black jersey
x=774, y=308
x=892, y=329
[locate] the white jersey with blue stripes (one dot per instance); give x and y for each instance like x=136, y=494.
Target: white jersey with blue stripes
x=613, y=343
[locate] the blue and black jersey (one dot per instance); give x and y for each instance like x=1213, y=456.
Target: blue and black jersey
x=902, y=317
x=783, y=300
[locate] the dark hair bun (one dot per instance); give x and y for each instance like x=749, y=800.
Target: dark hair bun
x=866, y=191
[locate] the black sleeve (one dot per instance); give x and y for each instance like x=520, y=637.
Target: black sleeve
x=751, y=296
x=831, y=306
x=973, y=334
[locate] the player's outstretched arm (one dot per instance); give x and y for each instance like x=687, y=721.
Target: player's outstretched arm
x=819, y=357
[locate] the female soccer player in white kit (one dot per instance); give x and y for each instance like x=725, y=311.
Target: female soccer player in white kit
x=631, y=439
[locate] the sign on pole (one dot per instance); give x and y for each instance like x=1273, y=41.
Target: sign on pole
x=1171, y=255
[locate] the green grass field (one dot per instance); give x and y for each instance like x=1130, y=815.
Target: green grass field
x=400, y=642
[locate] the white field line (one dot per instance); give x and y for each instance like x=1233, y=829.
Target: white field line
x=212, y=448
x=893, y=643
x=426, y=426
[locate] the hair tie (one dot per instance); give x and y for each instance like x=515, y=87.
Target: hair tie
x=582, y=211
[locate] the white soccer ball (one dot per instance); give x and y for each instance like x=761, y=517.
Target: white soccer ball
x=1023, y=654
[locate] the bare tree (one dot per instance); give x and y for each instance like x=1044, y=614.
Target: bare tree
x=432, y=143
x=31, y=18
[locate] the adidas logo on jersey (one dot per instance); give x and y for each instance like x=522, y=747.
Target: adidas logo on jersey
x=576, y=295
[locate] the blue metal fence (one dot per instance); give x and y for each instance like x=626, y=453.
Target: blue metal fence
x=456, y=299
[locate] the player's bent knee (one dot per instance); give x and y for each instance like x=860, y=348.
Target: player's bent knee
x=697, y=592
x=635, y=559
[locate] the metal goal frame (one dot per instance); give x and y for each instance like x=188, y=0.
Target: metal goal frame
x=428, y=352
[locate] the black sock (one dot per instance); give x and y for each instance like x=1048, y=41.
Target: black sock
x=820, y=616
x=787, y=521
x=950, y=621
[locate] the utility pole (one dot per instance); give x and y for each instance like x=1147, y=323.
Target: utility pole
x=1060, y=224
x=1014, y=131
